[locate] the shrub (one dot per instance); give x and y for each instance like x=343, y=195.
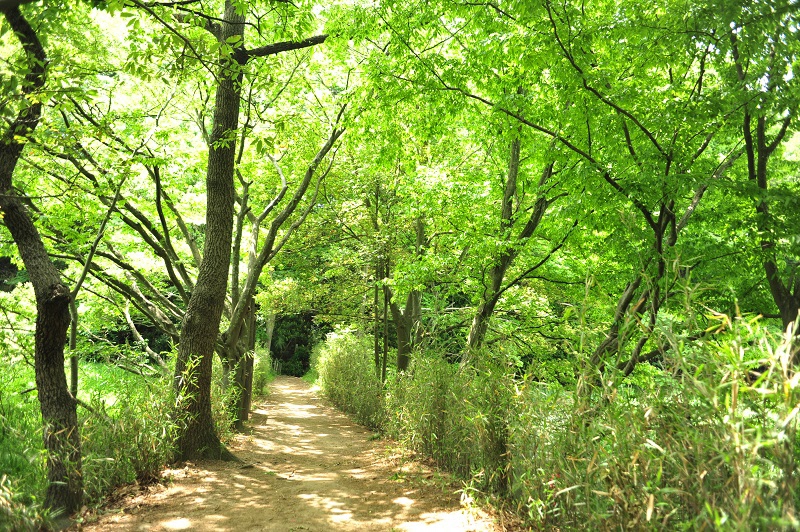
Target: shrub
x=347, y=377
x=129, y=441
x=457, y=416
x=700, y=447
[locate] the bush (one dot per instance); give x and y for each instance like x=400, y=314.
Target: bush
x=263, y=373
x=347, y=377
x=129, y=441
x=457, y=416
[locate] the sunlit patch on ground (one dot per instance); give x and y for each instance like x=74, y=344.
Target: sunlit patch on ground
x=177, y=524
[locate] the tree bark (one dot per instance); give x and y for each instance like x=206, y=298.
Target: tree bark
x=200, y=327
x=406, y=321
x=785, y=293
x=494, y=289
x=58, y=407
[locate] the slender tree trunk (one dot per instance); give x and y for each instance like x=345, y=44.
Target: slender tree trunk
x=785, y=296
x=759, y=150
x=200, y=328
x=58, y=407
x=243, y=381
x=385, y=327
x=269, y=328
x=259, y=258
x=251, y=350
x=493, y=290
x=480, y=321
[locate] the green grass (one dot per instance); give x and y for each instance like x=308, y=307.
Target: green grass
x=126, y=436
x=311, y=377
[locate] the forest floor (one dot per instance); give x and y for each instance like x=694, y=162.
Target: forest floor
x=306, y=467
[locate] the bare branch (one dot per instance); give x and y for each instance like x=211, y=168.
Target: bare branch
x=278, y=47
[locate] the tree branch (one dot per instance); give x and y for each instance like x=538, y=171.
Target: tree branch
x=278, y=47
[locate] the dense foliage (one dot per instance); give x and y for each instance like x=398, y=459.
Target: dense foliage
x=696, y=447
x=541, y=232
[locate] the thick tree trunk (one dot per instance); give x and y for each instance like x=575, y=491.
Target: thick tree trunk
x=58, y=407
x=200, y=328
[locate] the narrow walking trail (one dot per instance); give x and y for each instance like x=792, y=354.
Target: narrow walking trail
x=306, y=467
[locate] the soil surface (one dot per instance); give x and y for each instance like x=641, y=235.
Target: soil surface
x=305, y=467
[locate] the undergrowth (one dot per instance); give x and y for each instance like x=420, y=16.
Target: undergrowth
x=126, y=436
x=699, y=443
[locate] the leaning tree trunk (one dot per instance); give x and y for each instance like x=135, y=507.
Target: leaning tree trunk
x=200, y=327
x=58, y=407
x=497, y=274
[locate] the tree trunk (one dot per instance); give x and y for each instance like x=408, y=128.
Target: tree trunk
x=243, y=381
x=251, y=350
x=58, y=407
x=233, y=353
x=405, y=321
x=491, y=293
x=377, y=319
x=200, y=327
x=480, y=321
x=785, y=294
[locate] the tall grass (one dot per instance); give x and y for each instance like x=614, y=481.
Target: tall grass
x=22, y=464
x=702, y=443
x=126, y=436
x=129, y=433
x=347, y=376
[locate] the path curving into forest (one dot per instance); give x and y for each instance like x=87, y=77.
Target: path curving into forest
x=307, y=467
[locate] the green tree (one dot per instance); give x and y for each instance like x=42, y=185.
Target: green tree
x=58, y=407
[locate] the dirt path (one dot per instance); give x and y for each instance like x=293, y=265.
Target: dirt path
x=307, y=467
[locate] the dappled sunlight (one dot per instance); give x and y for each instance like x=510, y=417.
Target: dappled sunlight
x=305, y=467
x=177, y=524
x=405, y=502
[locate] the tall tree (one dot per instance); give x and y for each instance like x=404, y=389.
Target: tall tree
x=201, y=322
x=58, y=407
x=765, y=52
x=200, y=326
x=495, y=283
